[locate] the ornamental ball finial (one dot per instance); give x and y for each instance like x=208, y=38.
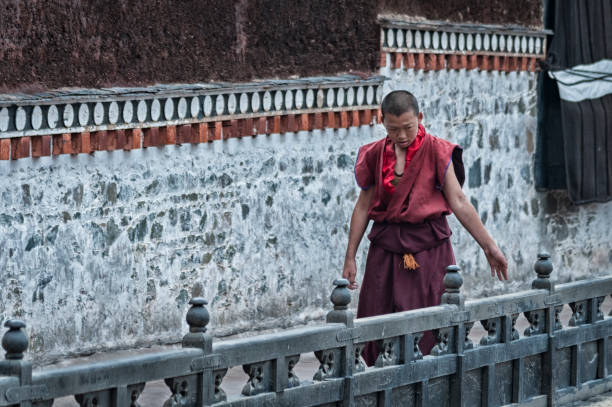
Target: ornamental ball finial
x=15, y=341
x=452, y=280
x=197, y=316
x=543, y=266
x=341, y=296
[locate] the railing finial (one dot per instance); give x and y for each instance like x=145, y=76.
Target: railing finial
x=341, y=298
x=197, y=316
x=197, y=319
x=543, y=268
x=15, y=341
x=452, y=286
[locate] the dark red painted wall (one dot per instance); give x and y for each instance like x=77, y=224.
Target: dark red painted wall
x=516, y=12
x=95, y=43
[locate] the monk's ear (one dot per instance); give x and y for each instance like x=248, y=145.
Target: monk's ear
x=420, y=116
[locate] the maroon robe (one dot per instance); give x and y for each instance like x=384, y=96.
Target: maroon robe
x=412, y=220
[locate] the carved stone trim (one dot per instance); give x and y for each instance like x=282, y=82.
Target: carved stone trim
x=329, y=364
x=219, y=394
x=89, y=110
x=259, y=378
x=446, y=38
x=493, y=328
x=359, y=365
x=443, y=339
x=389, y=352
x=580, y=315
x=292, y=378
x=537, y=322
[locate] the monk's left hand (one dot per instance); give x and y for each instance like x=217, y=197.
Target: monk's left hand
x=498, y=263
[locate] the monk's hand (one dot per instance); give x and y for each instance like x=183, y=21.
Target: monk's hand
x=497, y=261
x=350, y=272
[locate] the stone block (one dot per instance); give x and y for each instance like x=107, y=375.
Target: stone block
x=183, y=134
x=304, y=122
x=5, y=149
x=36, y=146
x=151, y=137
x=473, y=62
x=262, y=125
x=199, y=132
x=318, y=121
x=111, y=141
x=409, y=61
x=420, y=61
x=383, y=59
x=355, y=120
x=441, y=61
x=276, y=124
x=75, y=143
x=496, y=63
x=167, y=135
x=20, y=147
x=136, y=138
x=344, y=122
x=397, y=60
x=365, y=116
x=85, y=142
x=248, y=127
x=432, y=62
x=218, y=135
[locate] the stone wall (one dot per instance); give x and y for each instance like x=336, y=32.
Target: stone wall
x=492, y=115
x=104, y=251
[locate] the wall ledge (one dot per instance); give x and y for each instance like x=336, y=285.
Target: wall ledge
x=436, y=45
x=73, y=121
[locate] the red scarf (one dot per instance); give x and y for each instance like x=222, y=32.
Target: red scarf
x=389, y=158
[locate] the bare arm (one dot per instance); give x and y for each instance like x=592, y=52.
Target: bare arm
x=359, y=223
x=465, y=212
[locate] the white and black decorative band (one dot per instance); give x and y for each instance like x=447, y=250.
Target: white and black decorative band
x=73, y=111
x=446, y=38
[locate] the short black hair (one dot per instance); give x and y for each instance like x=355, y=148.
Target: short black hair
x=399, y=102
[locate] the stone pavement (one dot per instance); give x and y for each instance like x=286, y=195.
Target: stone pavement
x=156, y=393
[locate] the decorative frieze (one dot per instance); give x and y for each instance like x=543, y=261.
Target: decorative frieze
x=68, y=121
x=433, y=45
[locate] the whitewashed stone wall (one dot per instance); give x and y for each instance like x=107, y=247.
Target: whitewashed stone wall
x=104, y=251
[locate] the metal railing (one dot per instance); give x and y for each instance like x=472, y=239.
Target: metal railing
x=548, y=364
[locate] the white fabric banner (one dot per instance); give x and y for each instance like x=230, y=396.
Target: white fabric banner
x=584, y=82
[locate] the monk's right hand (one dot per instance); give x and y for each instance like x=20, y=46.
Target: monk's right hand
x=350, y=272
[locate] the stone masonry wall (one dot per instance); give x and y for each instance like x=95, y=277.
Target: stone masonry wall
x=104, y=251
x=492, y=115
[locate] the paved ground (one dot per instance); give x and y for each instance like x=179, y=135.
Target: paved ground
x=157, y=392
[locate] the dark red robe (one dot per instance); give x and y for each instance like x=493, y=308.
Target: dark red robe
x=412, y=220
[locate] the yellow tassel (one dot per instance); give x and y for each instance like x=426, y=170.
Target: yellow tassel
x=409, y=262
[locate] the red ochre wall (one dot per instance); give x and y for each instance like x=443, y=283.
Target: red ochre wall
x=95, y=43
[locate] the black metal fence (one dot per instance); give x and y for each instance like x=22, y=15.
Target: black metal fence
x=548, y=364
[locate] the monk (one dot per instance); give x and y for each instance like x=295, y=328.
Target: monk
x=410, y=181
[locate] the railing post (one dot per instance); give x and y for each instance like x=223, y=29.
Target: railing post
x=543, y=268
x=15, y=343
x=452, y=295
x=201, y=390
x=341, y=298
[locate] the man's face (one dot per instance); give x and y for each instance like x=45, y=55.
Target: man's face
x=402, y=129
